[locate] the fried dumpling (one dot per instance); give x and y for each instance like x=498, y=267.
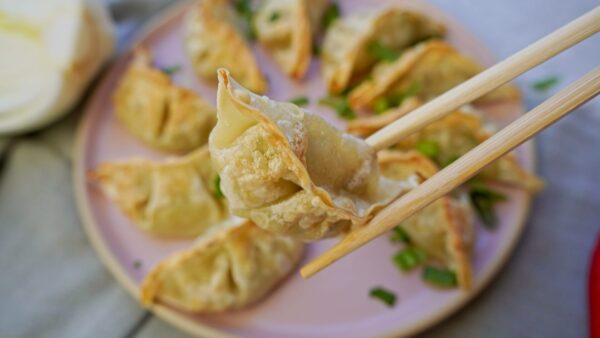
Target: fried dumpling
x=177, y=197
x=445, y=229
x=213, y=39
x=345, y=54
x=290, y=171
x=458, y=133
x=158, y=112
x=283, y=28
x=427, y=70
x=225, y=270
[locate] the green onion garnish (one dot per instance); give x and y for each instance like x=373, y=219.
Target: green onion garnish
x=450, y=160
x=439, y=277
x=409, y=258
x=300, y=101
x=274, y=16
x=332, y=13
x=244, y=10
x=484, y=200
x=397, y=99
x=545, y=84
x=429, y=148
x=381, y=105
x=316, y=49
x=387, y=297
x=340, y=105
x=381, y=52
x=399, y=236
x=217, y=186
x=170, y=70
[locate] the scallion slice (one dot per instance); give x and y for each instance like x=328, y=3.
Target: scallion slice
x=300, y=101
x=381, y=52
x=429, y=148
x=440, y=277
x=386, y=296
x=217, y=186
x=409, y=258
x=399, y=236
x=546, y=84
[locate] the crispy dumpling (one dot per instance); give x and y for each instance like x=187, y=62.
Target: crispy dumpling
x=224, y=270
x=459, y=132
x=428, y=69
x=283, y=28
x=158, y=112
x=175, y=198
x=290, y=171
x=445, y=229
x=213, y=39
x=345, y=54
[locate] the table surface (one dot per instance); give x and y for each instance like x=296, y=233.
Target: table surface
x=52, y=284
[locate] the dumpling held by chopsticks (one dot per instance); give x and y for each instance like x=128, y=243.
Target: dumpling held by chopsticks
x=290, y=171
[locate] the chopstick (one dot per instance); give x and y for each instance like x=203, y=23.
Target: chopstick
x=464, y=168
x=488, y=80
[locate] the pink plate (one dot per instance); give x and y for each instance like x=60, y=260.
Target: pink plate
x=334, y=303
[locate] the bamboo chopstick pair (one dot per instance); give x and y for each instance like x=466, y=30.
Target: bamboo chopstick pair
x=496, y=146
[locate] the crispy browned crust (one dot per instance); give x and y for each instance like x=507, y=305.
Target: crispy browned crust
x=158, y=112
x=252, y=275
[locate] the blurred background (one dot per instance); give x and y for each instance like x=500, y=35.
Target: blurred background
x=53, y=285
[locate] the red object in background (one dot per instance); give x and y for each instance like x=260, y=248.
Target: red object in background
x=594, y=291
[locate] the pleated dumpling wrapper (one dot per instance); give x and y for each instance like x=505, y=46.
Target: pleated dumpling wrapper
x=176, y=198
x=347, y=52
x=214, y=38
x=224, y=270
x=424, y=71
x=290, y=171
x=458, y=133
x=158, y=112
x=445, y=229
x=283, y=28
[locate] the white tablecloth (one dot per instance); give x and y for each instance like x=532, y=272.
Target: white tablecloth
x=53, y=285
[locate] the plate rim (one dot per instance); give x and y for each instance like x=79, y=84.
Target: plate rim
x=194, y=328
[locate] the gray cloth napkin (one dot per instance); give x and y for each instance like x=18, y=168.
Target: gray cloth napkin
x=53, y=285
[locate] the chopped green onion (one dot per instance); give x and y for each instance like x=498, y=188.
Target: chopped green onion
x=484, y=200
x=398, y=98
x=450, y=160
x=340, y=105
x=316, y=49
x=409, y=258
x=399, y=236
x=387, y=297
x=137, y=264
x=170, y=70
x=429, y=148
x=332, y=13
x=545, y=84
x=300, y=101
x=244, y=9
x=381, y=52
x=274, y=16
x=217, y=186
x=381, y=105
x=440, y=277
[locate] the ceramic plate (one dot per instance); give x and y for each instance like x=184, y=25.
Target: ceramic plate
x=334, y=303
